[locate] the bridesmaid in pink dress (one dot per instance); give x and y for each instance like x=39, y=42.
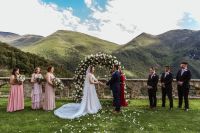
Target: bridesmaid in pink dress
x=49, y=95
x=16, y=96
x=36, y=94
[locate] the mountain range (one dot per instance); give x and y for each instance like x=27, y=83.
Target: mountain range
x=17, y=40
x=68, y=48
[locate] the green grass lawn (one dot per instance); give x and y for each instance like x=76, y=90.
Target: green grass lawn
x=134, y=119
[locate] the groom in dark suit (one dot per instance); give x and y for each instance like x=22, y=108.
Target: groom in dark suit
x=183, y=84
x=114, y=84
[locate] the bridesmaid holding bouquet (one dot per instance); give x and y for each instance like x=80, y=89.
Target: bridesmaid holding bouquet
x=16, y=96
x=36, y=94
x=49, y=95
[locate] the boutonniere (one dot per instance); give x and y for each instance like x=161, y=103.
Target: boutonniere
x=153, y=75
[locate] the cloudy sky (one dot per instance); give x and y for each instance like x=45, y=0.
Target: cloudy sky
x=113, y=20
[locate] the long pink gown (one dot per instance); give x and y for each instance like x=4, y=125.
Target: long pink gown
x=36, y=94
x=16, y=98
x=49, y=95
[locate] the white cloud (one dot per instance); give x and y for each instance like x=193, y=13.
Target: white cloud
x=151, y=16
x=88, y=3
x=35, y=17
x=119, y=22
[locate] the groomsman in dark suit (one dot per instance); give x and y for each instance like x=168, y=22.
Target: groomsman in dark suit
x=152, y=87
x=166, y=82
x=183, y=84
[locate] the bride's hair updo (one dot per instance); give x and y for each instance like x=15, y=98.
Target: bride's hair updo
x=91, y=68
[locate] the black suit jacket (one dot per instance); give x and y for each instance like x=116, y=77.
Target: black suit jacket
x=153, y=81
x=114, y=82
x=167, y=80
x=185, y=78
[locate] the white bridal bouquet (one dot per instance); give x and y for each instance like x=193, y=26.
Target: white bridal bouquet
x=20, y=78
x=57, y=83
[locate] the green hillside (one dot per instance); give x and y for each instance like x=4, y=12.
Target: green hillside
x=25, y=40
x=169, y=48
x=17, y=40
x=8, y=36
x=139, y=54
x=12, y=57
x=68, y=48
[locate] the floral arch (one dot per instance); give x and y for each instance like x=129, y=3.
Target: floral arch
x=99, y=59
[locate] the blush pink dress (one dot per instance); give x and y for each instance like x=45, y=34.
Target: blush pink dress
x=16, y=98
x=36, y=94
x=49, y=95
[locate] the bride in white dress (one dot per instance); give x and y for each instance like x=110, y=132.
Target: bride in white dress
x=90, y=103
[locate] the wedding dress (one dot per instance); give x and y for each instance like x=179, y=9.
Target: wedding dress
x=90, y=103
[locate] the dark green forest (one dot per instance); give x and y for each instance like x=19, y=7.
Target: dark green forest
x=12, y=57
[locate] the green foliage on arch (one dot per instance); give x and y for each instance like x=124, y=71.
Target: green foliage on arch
x=99, y=59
